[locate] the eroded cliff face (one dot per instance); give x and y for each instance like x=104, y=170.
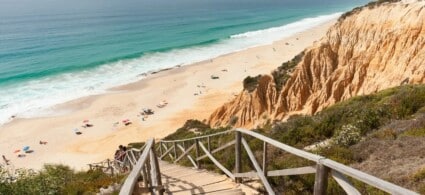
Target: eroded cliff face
x=367, y=51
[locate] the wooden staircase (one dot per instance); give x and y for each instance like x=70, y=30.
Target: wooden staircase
x=150, y=173
x=184, y=180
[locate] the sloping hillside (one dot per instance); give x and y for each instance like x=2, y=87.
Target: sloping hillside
x=382, y=134
x=372, y=48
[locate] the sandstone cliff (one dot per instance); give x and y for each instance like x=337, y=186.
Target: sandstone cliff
x=368, y=50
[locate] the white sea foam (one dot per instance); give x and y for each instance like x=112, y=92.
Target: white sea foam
x=35, y=98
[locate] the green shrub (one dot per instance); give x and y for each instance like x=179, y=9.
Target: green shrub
x=188, y=130
x=282, y=73
x=347, y=136
x=419, y=175
x=233, y=120
x=385, y=134
x=417, y=132
x=370, y=5
x=338, y=153
x=58, y=179
x=251, y=83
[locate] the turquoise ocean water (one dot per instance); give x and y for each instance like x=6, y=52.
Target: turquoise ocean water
x=52, y=51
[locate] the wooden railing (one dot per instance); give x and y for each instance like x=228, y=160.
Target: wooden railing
x=143, y=162
x=323, y=167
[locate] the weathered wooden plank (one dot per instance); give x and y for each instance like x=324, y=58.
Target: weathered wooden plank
x=198, y=163
x=132, y=178
x=321, y=179
x=220, y=166
x=218, y=149
x=160, y=188
x=366, y=178
x=209, y=144
x=257, y=168
x=154, y=181
x=265, y=158
x=169, y=153
x=188, y=156
x=282, y=146
x=175, y=150
x=292, y=171
x=145, y=177
x=200, y=137
x=238, y=150
x=160, y=149
x=156, y=174
x=345, y=183
x=166, y=152
x=184, y=153
x=133, y=158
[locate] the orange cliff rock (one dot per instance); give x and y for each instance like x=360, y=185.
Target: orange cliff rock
x=369, y=50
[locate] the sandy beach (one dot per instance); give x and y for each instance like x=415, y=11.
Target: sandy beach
x=189, y=91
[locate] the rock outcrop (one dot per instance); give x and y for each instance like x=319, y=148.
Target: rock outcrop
x=370, y=49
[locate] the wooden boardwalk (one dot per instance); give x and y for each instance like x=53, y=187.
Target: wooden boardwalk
x=184, y=180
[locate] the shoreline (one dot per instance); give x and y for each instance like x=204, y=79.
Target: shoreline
x=182, y=86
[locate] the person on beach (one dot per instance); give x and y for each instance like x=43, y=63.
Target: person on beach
x=123, y=152
x=43, y=142
x=118, y=152
x=87, y=125
x=77, y=131
x=5, y=160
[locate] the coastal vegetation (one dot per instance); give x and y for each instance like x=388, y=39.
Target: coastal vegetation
x=282, y=73
x=251, y=83
x=55, y=179
x=354, y=132
x=370, y=5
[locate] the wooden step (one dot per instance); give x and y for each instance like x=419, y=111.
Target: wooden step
x=184, y=180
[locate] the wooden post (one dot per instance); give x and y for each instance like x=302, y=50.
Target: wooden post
x=238, y=167
x=175, y=150
x=148, y=172
x=110, y=167
x=265, y=158
x=197, y=153
x=160, y=148
x=145, y=177
x=321, y=180
x=209, y=144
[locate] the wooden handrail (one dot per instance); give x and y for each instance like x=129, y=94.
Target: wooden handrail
x=324, y=166
x=153, y=176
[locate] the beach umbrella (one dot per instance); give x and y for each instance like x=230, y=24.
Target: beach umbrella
x=16, y=151
x=26, y=148
x=85, y=121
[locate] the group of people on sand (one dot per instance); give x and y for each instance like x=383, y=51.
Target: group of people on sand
x=86, y=124
x=120, y=153
x=20, y=153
